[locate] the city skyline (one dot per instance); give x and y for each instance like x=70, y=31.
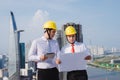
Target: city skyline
x=99, y=19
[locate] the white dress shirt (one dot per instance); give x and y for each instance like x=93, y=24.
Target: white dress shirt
x=42, y=46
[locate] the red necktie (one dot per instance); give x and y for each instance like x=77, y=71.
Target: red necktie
x=72, y=49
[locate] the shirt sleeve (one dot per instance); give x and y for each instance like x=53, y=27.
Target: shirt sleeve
x=32, y=55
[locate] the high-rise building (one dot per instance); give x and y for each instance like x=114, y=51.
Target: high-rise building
x=27, y=48
x=79, y=35
x=3, y=66
x=22, y=55
x=14, y=51
x=3, y=61
x=58, y=37
x=13, y=48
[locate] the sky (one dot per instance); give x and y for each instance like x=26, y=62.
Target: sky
x=100, y=19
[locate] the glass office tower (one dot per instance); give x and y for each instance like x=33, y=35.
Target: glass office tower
x=14, y=62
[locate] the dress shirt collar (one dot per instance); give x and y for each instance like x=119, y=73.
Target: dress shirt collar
x=45, y=39
x=74, y=43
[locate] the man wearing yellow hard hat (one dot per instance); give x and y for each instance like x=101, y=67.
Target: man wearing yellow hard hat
x=44, y=51
x=74, y=47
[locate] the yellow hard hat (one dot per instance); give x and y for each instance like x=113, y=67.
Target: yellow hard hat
x=70, y=30
x=50, y=24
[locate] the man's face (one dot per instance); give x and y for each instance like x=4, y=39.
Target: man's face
x=71, y=38
x=52, y=33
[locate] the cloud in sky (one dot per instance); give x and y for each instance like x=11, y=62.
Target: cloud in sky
x=39, y=18
x=35, y=28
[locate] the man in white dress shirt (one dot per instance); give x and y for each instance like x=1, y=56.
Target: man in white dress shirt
x=44, y=51
x=74, y=47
